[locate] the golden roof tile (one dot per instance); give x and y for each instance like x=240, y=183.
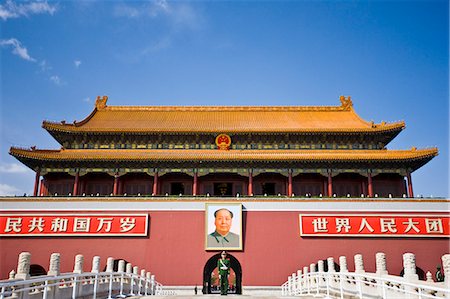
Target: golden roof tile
x=221, y=155
x=222, y=119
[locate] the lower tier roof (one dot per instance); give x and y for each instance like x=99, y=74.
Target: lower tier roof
x=413, y=158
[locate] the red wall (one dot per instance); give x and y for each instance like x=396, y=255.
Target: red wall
x=174, y=250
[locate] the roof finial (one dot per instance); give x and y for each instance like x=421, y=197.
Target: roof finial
x=100, y=103
x=346, y=102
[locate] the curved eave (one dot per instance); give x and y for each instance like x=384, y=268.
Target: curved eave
x=139, y=155
x=74, y=129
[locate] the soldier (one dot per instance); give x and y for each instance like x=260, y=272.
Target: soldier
x=223, y=265
x=439, y=274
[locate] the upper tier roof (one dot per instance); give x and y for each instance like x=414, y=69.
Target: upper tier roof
x=413, y=158
x=222, y=119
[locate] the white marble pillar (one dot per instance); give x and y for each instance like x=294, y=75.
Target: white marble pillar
x=381, y=263
x=343, y=264
x=409, y=266
x=55, y=262
x=23, y=266
x=121, y=266
x=79, y=261
x=330, y=262
x=95, y=264
x=359, y=264
x=110, y=264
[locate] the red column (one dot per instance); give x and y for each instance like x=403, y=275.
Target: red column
x=116, y=185
x=250, y=183
x=120, y=190
x=83, y=186
x=369, y=184
x=194, y=185
x=75, y=184
x=290, y=183
x=155, y=183
x=410, y=187
x=36, y=183
x=330, y=184
x=42, y=188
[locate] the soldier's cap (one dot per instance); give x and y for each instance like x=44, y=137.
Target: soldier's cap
x=215, y=213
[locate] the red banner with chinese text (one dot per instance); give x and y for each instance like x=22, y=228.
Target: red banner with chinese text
x=393, y=225
x=16, y=225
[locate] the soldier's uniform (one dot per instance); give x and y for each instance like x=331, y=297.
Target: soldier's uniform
x=224, y=269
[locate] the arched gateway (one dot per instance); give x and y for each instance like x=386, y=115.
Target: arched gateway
x=211, y=265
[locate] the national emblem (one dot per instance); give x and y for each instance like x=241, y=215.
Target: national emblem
x=223, y=142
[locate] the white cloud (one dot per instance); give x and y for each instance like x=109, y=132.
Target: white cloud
x=17, y=47
x=77, y=63
x=56, y=79
x=10, y=9
x=87, y=100
x=181, y=14
x=7, y=190
x=13, y=168
x=45, y=66
x=127, y=11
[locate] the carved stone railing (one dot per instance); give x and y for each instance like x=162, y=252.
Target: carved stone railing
x=314, y=281
x=127, y=281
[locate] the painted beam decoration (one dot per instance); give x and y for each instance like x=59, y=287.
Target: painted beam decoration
x=83, y=225
x=375, y=225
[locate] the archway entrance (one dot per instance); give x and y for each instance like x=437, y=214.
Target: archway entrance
x=211, y=277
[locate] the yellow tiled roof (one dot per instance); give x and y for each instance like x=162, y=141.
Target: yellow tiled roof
x=222, y=155
x=203, y=119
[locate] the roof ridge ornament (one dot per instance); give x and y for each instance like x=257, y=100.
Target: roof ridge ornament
x=100, y=102
x=346, y=102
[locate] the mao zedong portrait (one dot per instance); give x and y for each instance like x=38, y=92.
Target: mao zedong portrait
x=222, y=237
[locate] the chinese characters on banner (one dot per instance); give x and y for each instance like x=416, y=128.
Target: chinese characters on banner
x=73, y=225
x=327, y=225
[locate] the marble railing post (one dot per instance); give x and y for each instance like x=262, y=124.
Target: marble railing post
x=429, y=277
x=148, y=277
x=133, y=280
x=320, y=266
x=359, y=264
x=343, y=264
x=23, y=266
x=312, y=268
x=381, y=263
x=129, y=271
x=110, y=264
x=12, y=275
x=95, y=264
x=141, y=286
x=293, y=283
x=54, y=268
x=299, y=281
x=409, y=266
x=79, y=261
x=121, y=266
x=330, y=262
x=306, y=278
x=78, y=269
x=152, y=284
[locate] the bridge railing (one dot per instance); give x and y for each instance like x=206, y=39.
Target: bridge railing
x=358, y=284
x=78, y=284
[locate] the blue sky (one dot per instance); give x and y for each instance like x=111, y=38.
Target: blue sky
x=391, y=57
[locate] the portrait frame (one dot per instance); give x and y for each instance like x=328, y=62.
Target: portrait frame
x=236, y=227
